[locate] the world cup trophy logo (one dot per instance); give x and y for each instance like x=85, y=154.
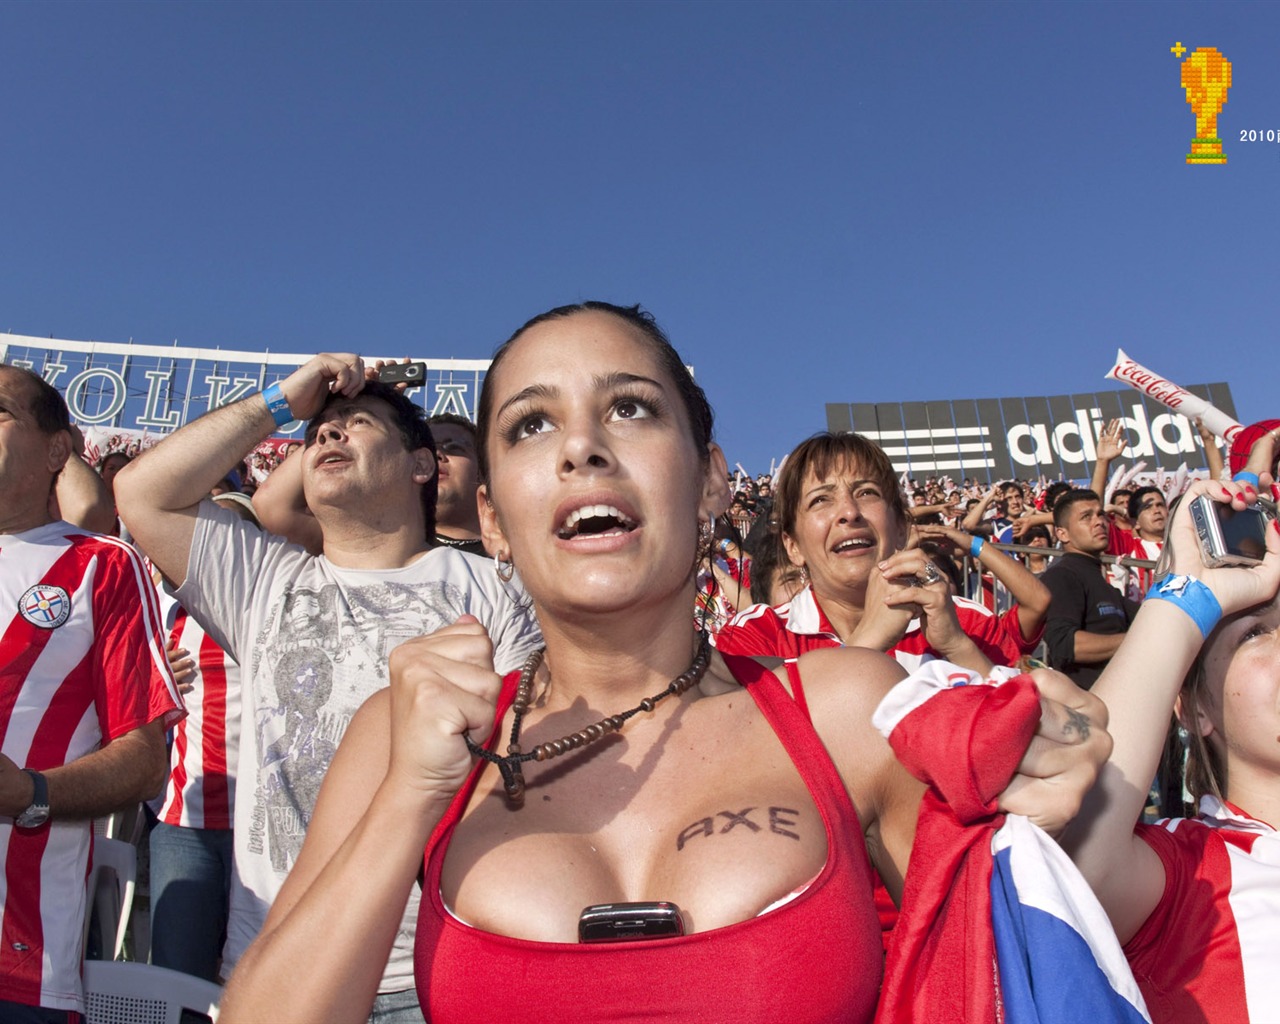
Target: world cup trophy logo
x=1206, y=77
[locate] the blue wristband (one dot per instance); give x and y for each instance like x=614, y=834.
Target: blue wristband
x=975, y=546
x=1245, y=477
x=277, y=405
x=1193, y=597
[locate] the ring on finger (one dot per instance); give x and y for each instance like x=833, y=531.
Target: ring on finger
x=930, y=575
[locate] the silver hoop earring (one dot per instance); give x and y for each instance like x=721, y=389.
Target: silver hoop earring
x=504, y=570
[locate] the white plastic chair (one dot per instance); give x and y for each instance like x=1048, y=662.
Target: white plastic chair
x=126, y=825
x=117, y=992
x=110, y=891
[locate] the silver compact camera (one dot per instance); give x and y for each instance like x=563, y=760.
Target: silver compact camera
x=1228, y=537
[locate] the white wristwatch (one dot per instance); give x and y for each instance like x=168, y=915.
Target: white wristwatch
x=38, y=813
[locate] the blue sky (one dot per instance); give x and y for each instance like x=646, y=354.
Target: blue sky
x=820, y=202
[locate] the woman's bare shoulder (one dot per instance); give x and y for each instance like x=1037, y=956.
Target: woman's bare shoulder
x=854, y=678
x=843, y=686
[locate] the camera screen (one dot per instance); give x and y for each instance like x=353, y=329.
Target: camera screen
x=1244, y=533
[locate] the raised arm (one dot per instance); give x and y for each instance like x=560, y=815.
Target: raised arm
x=1032, y=595
x=1111, y=445
x=921, y=511
x=82, y=498
x=1139, y=687
x=158, y=494
x=399, y=765
x=1212, y=453
x=1024, y=523
x=282, y=509
x=1262, y=457
x=972, y=522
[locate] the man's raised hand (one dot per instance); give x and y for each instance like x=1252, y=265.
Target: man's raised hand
x=311, y=384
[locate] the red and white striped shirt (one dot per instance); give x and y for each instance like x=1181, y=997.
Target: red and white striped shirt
x=793, y=629
x=1210, y=951
x=1132, y=581
x=81, y=663
x=200, y=792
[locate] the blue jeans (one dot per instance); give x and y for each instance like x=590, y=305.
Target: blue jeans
x=396, y=1008
x=190, y=890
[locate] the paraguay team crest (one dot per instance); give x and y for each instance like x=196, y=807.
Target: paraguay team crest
x=45, y=606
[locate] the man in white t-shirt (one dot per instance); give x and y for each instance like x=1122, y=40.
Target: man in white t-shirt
x=312, y=633
x=85, y=698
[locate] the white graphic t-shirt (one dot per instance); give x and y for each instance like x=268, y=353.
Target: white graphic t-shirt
x=312, y=640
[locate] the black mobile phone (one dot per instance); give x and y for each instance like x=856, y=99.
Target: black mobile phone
x=403, y=373
x=1228, y=537
x=628, y=922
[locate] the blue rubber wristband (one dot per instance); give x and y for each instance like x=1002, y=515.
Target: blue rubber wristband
x=975, y=546
x=277, y=405
x=1193, y=597
x=1245, y=477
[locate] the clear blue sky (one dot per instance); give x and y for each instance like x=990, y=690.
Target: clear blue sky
x=820, y=202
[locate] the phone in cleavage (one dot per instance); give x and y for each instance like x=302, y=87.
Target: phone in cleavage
x=629, y=922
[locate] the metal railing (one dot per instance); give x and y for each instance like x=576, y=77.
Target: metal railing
x=1004, y=600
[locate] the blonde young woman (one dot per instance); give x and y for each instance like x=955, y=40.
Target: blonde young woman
x=1197, y=900
x=660, y=771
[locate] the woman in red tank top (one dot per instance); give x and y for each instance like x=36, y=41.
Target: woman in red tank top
x=633, y=764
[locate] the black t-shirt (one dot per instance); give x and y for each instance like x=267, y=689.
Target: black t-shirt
x=1081, y=598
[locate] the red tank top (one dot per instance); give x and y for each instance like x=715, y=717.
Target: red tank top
x=815, y=959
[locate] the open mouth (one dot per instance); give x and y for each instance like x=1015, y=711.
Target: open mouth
x=853, y=544
x=595, y=521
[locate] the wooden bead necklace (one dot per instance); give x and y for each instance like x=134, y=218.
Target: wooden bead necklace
x=511, y=765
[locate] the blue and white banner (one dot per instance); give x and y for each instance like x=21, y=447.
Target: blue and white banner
x=158, y=388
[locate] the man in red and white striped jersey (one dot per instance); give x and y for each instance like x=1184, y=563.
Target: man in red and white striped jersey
x=1148, y=511
x=191, y=844
x=85, y=697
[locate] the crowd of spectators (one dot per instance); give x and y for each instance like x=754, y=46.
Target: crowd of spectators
x=280, y=586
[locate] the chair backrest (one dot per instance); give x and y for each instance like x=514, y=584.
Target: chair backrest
x=116, y=992
x=111, y=885
x=126, y=824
